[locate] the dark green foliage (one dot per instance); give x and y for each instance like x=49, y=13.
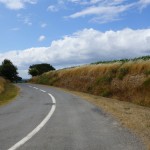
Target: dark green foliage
x=9, y=71
x=33, y=72
x=122, y=73
x=123, y=60
x=39, y=69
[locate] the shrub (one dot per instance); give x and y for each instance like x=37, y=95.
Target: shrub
x=43, y=79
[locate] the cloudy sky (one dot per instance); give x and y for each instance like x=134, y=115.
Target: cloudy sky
x=72, y=32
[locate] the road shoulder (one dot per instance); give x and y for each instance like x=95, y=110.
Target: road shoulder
x=134, y=117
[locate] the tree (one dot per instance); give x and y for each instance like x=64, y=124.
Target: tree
x=33, y=72
x=8, y=70
x=39, y=69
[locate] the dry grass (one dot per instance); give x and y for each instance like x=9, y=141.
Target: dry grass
x=137, y=67
x=2, y=84
x=122, y=81
x=8, y=91
x=134, y=117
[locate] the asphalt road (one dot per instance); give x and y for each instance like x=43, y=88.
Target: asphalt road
x=69, y=124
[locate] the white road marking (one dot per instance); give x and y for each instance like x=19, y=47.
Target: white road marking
x=38, y=128
x=53, y=98
x=30, y=86
x=35, y=88
x=42, y=91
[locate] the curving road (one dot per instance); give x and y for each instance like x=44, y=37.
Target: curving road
x=45, y=118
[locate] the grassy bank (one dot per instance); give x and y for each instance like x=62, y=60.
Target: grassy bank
x=125, y=81
x=7, y=91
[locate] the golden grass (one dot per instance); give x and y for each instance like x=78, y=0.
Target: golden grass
x=123, y=81
x=8, y=91
x=137, y=67
x=2, y=84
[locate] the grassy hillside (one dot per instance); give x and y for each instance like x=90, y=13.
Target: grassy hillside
x=7, y=91
x=124, y=80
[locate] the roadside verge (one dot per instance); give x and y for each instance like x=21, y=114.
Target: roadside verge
x=8, y=95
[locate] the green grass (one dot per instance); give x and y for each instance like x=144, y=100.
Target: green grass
x=9, y=94
x=123, y=60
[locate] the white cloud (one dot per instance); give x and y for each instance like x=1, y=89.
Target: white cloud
x=85, y=46
x=25, y=19
x=52, y=8
x=17, y=4
x=103, y=14
x=104, y=11
x=144, y=3
x=41, y=38
x=43, y=25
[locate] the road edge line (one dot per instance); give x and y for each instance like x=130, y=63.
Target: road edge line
x=38, y=128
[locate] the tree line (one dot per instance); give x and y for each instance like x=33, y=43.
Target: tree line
x=10, y=72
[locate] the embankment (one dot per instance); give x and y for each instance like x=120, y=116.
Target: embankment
x=7, y=91
x=125, y=81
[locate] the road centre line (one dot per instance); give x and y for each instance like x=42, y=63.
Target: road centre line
x=35, y=88
x=42, y=90
x=38, y=128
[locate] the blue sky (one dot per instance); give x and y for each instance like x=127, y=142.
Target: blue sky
x=72, y=32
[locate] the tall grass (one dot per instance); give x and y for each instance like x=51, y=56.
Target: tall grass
x=124, y=81
x=2, y=84
x=7, y=91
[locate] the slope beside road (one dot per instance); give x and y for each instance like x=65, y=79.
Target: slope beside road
x=75, y=124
